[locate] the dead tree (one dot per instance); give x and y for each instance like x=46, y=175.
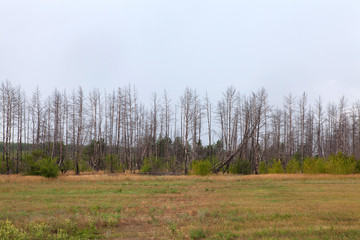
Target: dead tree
x=37, y=114
x=196, y=124
x=8, y=94
x=319, y=127
x=167, y=119
x=79, y=124
x=187, y=115
x=302, y=107
x=253, y=113
x=289, y=109
x=208, y=117
x=20, y=112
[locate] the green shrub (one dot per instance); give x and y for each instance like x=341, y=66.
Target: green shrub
x=38, y=154
x=314, y=165
x=112, y=164
x=153, y=165
x=340, y=164
x=201, y=167
x=84, y=166
x=276, y=167
x=293, y=166
x=241, y=166
x=334, y=164
x=320, y=165
x=49, y=168
x=357, y=166
x=146, y=166
x=309, y=165
x=263, y=168
x=45, y=167
x=214, y=160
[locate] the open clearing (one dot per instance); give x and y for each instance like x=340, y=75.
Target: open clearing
x=124, y=206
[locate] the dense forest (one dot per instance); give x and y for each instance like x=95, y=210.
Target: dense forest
x=116, y=132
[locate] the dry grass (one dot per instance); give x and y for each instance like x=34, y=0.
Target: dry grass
x=299, y=176
x=107, y=177
x=4, y=179
x=126, y=206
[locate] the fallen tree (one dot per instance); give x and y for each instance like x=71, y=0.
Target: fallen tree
x=254, y=108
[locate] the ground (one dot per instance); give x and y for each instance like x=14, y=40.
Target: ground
x=125, y=206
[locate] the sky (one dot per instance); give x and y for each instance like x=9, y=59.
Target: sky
x=295, y=46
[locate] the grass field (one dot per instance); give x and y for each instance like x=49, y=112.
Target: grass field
x=101, y=206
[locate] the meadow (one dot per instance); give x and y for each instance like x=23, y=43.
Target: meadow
x=131, y=206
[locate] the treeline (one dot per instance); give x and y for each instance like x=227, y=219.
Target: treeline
x=114, y=131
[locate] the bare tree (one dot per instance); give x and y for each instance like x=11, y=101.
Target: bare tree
x=37, y=114
x=187, y=114
x=167, y=118
x=289, y=109
x=119, y=127
x=302, y=107
x=20, y=105
x=253, y=110
x=319, y=127
x=79, y=124
x=154, y=123
x=208, y=108
x=9, y=101
x=196, y=124
x=342, y=125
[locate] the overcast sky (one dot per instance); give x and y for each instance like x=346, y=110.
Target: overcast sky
x=285, y=46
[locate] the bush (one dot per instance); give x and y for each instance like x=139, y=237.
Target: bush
x=45, y=167
x=314, y=165
x=112, y=164
x=241, y=166
x=320, y=165
x=357, y=166
x=153, y=165
x=49, y=168
x=263, y=168
x=201, y=167
x=146, y=166
x=340, y=164
x=293, y=166
x=276, y=167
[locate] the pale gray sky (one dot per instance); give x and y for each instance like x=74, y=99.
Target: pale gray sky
x=285, y=46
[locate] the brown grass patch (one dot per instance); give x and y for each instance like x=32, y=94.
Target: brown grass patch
x=107, y=177
x=103, y=176
x=17, y=178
